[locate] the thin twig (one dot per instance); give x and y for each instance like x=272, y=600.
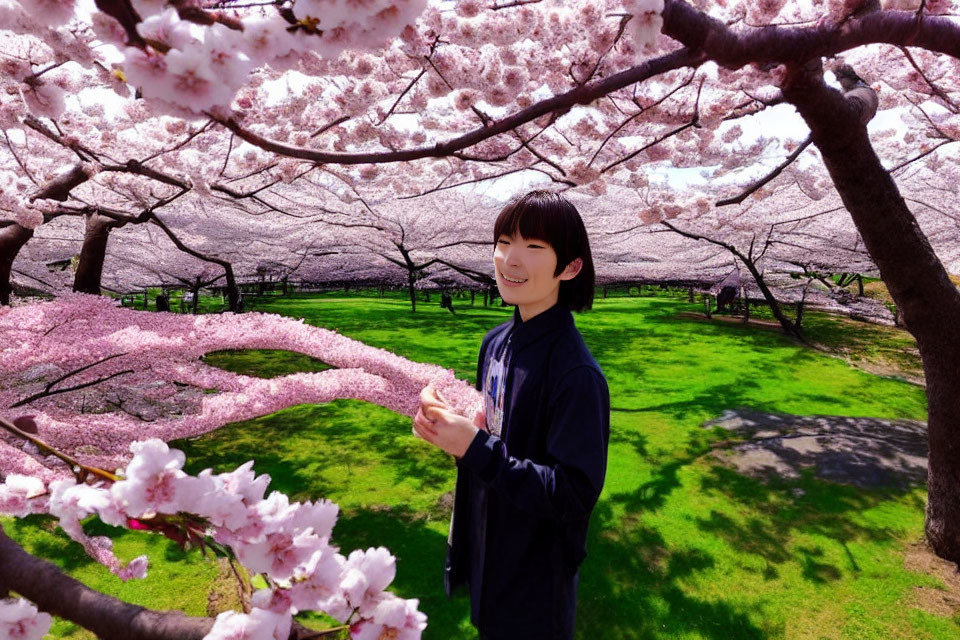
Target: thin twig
x=79, y=470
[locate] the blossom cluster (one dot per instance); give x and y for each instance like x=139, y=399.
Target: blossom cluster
x=145, y=377
x=194, y=69
x=286, y=542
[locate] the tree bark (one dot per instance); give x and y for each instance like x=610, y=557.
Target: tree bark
x=93, y=253
x=12, y=239
x=53, y=592
x=915, y=277
x=109, y=618
x=196, y=296
x=788, y=326
x=413, y=292
x=233, y=292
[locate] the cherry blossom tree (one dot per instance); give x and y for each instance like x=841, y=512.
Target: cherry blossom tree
x=587, y=96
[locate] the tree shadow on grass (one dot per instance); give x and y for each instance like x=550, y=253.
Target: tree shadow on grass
x=711, y=400
x=632, y=588
x=779, y=512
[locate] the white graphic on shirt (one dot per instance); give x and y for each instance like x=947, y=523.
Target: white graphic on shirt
x=494, y=384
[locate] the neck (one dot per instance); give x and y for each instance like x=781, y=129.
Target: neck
x=528, y=311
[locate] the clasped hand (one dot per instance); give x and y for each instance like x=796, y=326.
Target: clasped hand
x=438, y=424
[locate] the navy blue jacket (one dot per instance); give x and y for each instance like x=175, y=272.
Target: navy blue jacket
x=523, y=502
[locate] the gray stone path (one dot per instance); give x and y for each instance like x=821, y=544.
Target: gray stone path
x=866, y=452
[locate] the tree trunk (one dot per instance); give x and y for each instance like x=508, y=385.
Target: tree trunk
x=93, y=253
x=916, y=279
x=413, y=292
x=706, y=306
x=12, y=239
x=860, y=285
x=196, y=296
x=233, y=293
x=775, y=307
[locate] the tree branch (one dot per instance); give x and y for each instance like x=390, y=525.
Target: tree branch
x=756, y=186
x=557, y=104
x=779, y=45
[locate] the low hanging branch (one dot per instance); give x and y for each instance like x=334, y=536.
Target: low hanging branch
x=756, y=186
x=45, y=585
x=789, y=327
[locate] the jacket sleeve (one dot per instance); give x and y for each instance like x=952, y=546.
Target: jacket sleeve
x=567, y=487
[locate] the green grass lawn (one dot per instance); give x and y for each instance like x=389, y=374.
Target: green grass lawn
x=680, y=546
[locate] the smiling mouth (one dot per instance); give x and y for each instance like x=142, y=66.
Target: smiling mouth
x=509, y=279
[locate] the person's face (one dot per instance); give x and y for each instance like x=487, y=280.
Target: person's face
x=524, y=271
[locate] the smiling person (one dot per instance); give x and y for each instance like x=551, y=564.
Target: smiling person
x=531, y=466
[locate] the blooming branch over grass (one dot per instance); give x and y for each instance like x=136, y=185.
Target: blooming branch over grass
x=165, y=390
x=288, y=543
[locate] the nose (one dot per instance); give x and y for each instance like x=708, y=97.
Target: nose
x=511, y=255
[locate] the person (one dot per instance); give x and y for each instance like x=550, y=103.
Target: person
x=531, y=465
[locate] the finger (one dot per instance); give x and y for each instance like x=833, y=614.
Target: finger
x=430, y=400
x=428, y=394
x=439, y=417
x=432, y=413
x=431, y=397
x=424, y=425
x=433, y=404
x=420, y=433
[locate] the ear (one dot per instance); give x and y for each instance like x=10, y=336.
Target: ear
x=572, y=270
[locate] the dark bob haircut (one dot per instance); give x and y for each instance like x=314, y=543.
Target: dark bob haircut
x=548, y=216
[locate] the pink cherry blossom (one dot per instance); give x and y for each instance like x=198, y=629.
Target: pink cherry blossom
x=16, y=493
x=365, y=575
x=20, y=620
x=393, y=618
x=231, y=625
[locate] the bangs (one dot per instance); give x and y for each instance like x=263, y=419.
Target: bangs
x=528, y=217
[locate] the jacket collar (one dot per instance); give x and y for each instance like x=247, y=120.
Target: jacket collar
x=525, y=333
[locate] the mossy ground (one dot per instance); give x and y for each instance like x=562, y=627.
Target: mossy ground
x=680, y=546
